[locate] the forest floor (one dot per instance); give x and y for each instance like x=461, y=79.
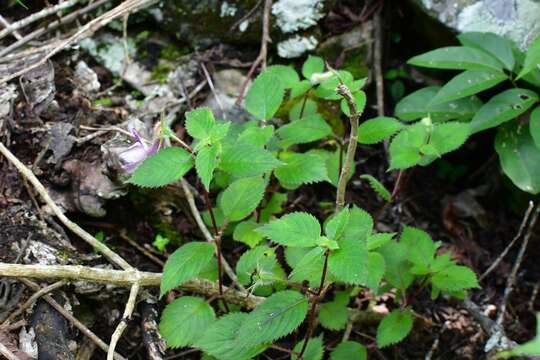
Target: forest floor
x=463, y=201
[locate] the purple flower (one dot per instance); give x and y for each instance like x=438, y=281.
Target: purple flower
x=133, y=156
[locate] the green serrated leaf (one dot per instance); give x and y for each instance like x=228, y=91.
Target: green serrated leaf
x=257, y=136
x=534, y=126
x=334, y=315
x=185, y=264
x=379, y=188
x=199, y=123
x=245, y=159
x=308, y=129
x=532, y=58
x=359, y=100
x=405, y=146
x=206, y=162
x=259, y=266
x=455, y=278
x=336, y=226
x=300, y=88
x=245, y=232
x=312, y=65
x=301, y=169
x=377, y=129
x=242, y=197
x=502, y=107
x=162, y=168
x=394, y=327
x=314, y=349
x=423, y=247
x=375, y=241
x=265, y=96
x=286, y=74
x=449, y=136
x=497, y=46
x=468, y=83
x=220, y=339
x=519, y=156
x=376, y=270
x=349, y=264
x=456, y=58
x=398, y=268
x=274, y=318
x=349, y=350
x=309, y=106
x=185, y=320
x=296, y=229
x=309, y=267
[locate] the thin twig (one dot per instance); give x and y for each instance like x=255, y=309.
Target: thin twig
x=79, y=325
x=6, y=25
x=142, y=249
x=83, y=234
x=128, y=311
x=8, y=354
x=32, y=300
x=509, y=246
x=37, y=16
x=513, y=275
x=261, y=58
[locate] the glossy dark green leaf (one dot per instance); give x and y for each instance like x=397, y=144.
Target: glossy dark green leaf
x=519, y=156
x=503, y=107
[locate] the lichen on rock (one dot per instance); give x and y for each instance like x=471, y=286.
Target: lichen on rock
x=296, y=46
x=294, y=15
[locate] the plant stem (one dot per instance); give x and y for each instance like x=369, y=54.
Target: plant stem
x=217, y=240
x=351, y=148
x=313, y=311
x=219, y=255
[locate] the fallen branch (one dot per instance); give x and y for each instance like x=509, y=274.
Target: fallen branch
x=84, y=31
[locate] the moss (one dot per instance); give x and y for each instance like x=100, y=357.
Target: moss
x=160, y=73
x=173, y=53
x=167, y=231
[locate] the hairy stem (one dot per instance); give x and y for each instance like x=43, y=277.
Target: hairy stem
x=351, y=148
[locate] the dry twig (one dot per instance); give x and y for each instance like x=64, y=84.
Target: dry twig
x=509, y=246
x=37, y=16
x=261, y=58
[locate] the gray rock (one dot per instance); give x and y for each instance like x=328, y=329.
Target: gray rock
x=222, y=101
x=515, y=19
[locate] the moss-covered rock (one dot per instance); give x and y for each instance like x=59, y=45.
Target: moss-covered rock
x=207, y=22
